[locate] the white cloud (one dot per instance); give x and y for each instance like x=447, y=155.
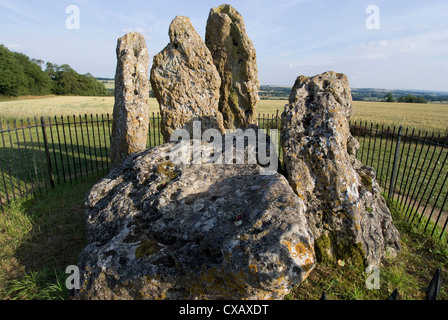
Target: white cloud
x=139, y=30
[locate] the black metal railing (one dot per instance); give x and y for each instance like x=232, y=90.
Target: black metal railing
x=38, y=154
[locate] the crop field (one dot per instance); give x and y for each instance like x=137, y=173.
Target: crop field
x=431, y=117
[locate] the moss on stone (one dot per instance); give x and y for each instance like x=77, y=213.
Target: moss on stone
x=146, y=248
x=366, y=181
x=322, y=246
x=167, y=168
x=328, y=251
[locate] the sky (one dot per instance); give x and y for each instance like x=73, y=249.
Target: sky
x=390, y=44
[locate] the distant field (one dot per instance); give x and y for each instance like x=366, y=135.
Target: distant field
x=60, y=106
x=420, y=116
x=429, y=116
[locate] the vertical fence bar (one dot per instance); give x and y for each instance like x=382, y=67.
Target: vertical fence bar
x=390, y=156
x=406, y=190
x=66, y=150
x=60, y=148
x=77, y=146
x=158, y=129
x=25, y=168
x=10, y=175
x=50, y=125
x=84, y=145
x=73, y=151
x=374, y=146
x=105, y=142
x=378, y=174
x=88, y=141
x=34, y=174
x=362, y=133
x=47, y=152
x=20, y=159
x=99, y=139
x=94, y=143
x=154, y=129
x=368, y=145
x=397, y=175
x=395, y=163
x=408, y=139
x=446, y=219
x=384, y=183
x=36, y=126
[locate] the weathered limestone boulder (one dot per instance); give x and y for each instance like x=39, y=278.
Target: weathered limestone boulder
x=235, y=58
x=185, y=81
x=131, y=108
x=345, y=209
x=161, y=230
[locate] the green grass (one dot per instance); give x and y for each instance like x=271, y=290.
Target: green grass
x=39, y=237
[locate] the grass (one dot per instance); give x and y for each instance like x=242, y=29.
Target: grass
x=41, y=235
x=50, y=106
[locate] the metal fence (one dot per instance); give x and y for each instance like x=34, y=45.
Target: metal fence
x=39, y=153
x=412, y=169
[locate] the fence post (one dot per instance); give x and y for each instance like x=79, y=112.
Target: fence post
x=394, y=169
x=47, y=152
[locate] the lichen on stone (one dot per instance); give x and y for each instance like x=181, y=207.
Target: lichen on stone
x=146, y=248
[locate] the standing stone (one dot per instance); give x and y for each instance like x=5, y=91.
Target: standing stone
x=186, y=82
x=345, y=209
x=131, y=108
x=235, y=58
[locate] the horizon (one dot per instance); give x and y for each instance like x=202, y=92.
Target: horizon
x=378, y=44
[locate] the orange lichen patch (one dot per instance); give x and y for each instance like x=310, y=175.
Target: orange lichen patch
x=300, y=250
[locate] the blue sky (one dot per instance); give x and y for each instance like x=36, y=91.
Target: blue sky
x=407, y=50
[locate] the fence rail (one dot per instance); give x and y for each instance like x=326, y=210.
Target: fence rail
x=37, y=154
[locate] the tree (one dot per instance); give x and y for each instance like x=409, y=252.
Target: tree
x=389, y=97
x=412, y=99
x=11, y=74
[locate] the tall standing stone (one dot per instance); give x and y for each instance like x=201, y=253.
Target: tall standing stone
x=186, y=82
x=131, y=108
x=235, y=58
x=345, y=209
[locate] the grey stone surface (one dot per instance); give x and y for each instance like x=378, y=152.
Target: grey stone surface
x=131, y=108
x=235, y=58
x=160, y=230
x=345, y=209
x=185, y=81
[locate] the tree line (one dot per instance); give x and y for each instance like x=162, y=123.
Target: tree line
x=21, y=75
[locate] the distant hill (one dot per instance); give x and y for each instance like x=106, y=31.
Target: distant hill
x=272, y=92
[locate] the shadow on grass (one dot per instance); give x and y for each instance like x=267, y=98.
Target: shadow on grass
x=54, y=241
